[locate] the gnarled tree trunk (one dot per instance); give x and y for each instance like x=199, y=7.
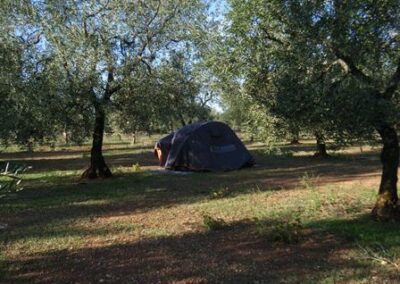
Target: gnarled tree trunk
x=386, y=207
x=295, y=137
x=133, y=141
x=66, y=135
x=295, y=141
x=98, y=167
x=321, y=146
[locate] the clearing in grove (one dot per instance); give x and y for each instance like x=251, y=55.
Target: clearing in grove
x=291, y=218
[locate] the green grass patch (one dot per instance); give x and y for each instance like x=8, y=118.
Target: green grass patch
x=284, y=208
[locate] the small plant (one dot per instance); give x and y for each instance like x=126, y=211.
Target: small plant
x=12, y=179
x=355, y=207
x=136, y=167
x=287, y=154
x=221, y=193
x=287, y=231
x=214, y=224
x=378, y=253
x=308, y=181
x=273, y=151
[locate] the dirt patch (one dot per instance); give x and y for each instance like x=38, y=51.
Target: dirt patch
x=234, y=255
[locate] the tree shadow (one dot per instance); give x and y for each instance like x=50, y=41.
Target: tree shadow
x=144, y=191
x=68, y=160
x=43, y=161
x=234, y=255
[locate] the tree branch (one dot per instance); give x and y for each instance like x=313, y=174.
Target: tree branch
x=393, y=84
x=110, y=89
x=147, y=65
x=155, y=14
x=101, y=9
x=273, y=38
x=92, y=15
x=351, y=66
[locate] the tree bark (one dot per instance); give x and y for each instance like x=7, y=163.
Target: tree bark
x=133, y=141
x=295, y=137
x=321, y=146
x=183, y=122
x=98, y=167
x=386, y=206
x=66, y=135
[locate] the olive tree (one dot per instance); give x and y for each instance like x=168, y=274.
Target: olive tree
x=97, y=46
x=333, y=65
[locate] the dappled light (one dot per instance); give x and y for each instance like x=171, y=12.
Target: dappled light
x=235, y=254
x=199, y=141
x=147, y=224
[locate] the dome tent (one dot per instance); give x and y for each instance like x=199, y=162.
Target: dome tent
x=203, y=146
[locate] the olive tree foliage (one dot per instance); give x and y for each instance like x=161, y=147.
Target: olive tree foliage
x=245, y=115
x=228, y=63
x=134, y=106
x=9, y=82
x=168, y=98
x=180, y=89
x=36, y=106
x=94, y=50
x=176, y=92
x=331, y=66
x=13, y=103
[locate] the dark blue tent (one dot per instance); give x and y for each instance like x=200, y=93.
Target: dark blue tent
x=203, y=146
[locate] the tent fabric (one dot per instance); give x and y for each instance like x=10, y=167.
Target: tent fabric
x=203, y=146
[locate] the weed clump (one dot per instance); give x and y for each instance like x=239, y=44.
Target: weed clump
x=287, y=231
x=308, y=181
x=214, y=224
x=136, y=168
x=220, y=193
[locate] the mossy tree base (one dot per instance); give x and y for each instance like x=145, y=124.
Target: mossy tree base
x=321, y=147
x=294, y=142
x=97, y=172
x=322, y=155
x=386, y=212
x=387, y=206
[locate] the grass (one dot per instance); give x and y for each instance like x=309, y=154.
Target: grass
x=290, y=219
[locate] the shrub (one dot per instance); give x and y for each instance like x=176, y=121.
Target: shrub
x=308, y=181
x=136, y=167
x=213, y=224
x=220, y=193
x=287, y=231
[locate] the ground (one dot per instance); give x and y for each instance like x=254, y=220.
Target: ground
x=292, y=218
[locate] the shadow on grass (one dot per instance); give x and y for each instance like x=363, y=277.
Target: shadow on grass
x=107, y=147
x=234, y=255
x=63, y=198
x=364, y=230
x=68, y=160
